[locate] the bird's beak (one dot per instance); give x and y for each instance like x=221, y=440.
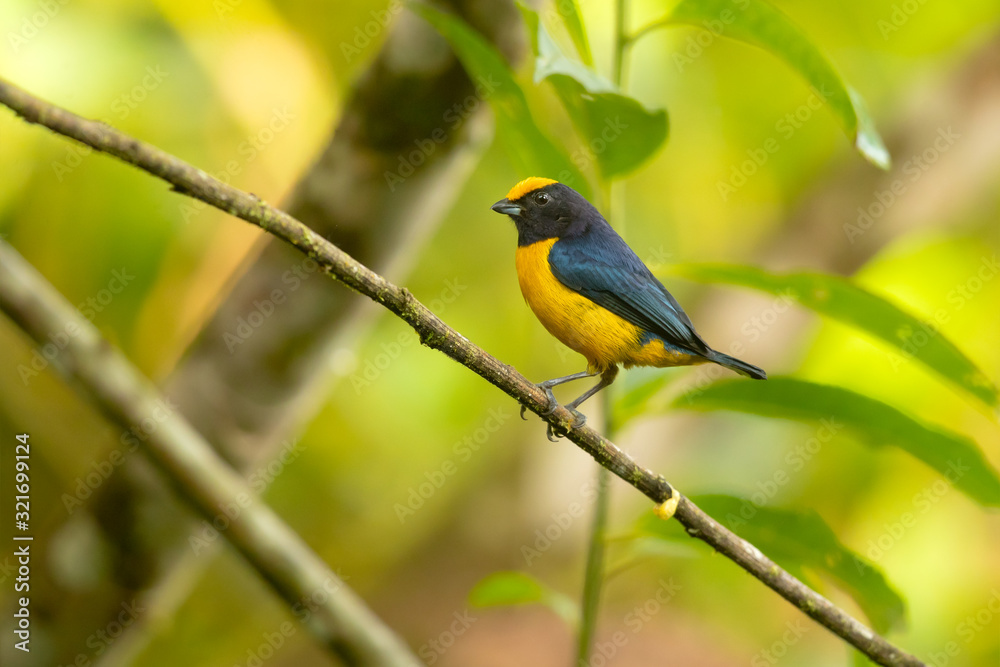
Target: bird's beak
x=507, y=208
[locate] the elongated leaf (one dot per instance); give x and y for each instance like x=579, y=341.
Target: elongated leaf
x=511, y=588
x=846, y=302
x=761, y=24
x=618, y=130
x=954, y=456
x=570, y=12
x=799, y=539
x=531, y=150
x=636, y=398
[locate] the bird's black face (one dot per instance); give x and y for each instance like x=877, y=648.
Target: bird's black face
x=552, y=211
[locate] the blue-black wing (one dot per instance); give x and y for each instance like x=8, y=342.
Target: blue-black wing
x=599, y=265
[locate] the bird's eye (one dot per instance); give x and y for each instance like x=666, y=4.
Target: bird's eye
x=542, y=199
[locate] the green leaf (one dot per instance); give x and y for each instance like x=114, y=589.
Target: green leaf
x=954, y=456
x=570, y=12
x=640, y=548
x=799, y=539
x=635, y=400
x=532, y=151
x=859, y=659
x=619, y=131
x=504, y=589
x=511, y=588
x=846, y=302
x=761, y=24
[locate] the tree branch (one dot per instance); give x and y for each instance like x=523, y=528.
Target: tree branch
x=434, y=333
x=343, y=623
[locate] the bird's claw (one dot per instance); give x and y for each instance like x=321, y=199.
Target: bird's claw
x=579, y=420
x=553, y=433
x=553, y=404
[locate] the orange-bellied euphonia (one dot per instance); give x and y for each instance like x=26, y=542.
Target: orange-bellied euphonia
x=593, y=293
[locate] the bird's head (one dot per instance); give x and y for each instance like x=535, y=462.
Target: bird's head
x=543, y=209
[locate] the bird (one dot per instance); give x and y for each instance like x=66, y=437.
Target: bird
x=591, y=291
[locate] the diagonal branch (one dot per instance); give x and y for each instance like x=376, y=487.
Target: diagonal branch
x=342, y=622
x=436, y=334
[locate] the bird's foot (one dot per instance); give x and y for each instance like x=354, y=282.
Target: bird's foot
x=553, y=433
x=553, y=403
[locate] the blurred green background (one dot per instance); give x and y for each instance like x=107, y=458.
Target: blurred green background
x=205, y=80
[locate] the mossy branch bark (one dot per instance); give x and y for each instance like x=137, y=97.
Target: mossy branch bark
x=434, y=333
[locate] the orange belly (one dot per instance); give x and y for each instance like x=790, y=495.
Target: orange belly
x=605, y=339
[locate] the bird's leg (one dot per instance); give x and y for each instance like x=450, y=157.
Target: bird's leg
x=555, y=382
x=607, y=377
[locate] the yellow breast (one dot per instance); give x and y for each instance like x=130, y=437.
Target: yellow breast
x=604, y=338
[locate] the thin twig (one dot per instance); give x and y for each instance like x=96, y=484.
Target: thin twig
x=434, y=333
x=594, y=577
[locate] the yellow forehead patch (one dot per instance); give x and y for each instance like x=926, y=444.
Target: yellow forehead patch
x=529, y=184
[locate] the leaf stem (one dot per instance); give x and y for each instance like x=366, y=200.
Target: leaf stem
x=594, y=575
x=645, y=30
x=621, y=43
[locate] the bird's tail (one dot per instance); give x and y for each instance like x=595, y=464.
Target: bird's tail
x=734, y=364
